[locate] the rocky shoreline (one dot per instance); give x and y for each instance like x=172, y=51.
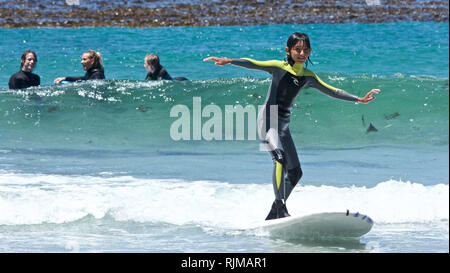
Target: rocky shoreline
x=150, y=13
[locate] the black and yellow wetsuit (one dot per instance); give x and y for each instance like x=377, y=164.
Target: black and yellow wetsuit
x=274, y=117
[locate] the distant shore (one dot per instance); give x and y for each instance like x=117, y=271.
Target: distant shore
x=148, y=13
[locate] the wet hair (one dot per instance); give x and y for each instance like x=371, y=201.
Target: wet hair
x=98, y=63
x=153, y=61
x=24, y=56
x=293, y=40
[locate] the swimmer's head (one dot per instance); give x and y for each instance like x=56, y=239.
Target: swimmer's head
x=28, y=60
x=91, y=59
x=151, y=62
x=298, y=48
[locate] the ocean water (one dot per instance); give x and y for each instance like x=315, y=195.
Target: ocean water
x=95, y=167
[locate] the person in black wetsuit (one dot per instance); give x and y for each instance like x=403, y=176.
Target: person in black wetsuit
x=92, y=63
x=155, y=71
x=24, y=78
x=289, y=77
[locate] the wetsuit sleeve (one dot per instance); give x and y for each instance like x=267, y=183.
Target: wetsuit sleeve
x=74, y=79
x=90, y=75
x=268, y=66
x=315, y=82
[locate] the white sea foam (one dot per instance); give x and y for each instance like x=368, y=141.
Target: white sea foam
x=35, y=199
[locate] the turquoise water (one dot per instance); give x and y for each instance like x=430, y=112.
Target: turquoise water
x=84, y=165
x=375, y=49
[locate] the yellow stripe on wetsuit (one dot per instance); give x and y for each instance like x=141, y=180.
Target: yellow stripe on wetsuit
x=278, y=174
x=297, y=70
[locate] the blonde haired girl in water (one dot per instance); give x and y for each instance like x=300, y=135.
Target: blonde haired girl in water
x=91, y=61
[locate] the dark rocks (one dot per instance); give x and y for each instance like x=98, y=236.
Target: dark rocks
x=147, y=13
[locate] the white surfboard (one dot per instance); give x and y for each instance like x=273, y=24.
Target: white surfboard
x=319, y=226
